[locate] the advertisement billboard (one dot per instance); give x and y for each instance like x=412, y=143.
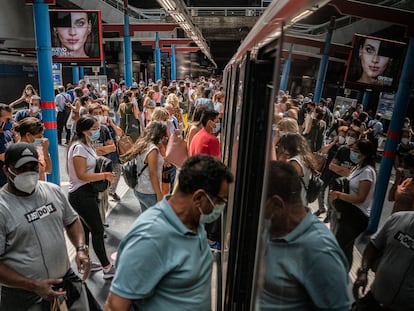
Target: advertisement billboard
x=76, y=36
x=374, y=63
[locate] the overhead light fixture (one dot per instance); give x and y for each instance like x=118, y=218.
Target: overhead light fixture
x=301, y=16
x=178, y=11
x=169, y=5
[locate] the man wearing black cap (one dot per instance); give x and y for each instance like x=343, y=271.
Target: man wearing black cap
x=33, y=254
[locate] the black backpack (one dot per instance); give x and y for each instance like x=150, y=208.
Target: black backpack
x=314, y=187
x=130, y=172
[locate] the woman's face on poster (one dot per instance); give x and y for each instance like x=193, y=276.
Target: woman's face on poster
x=73, y=38
x=373, y=65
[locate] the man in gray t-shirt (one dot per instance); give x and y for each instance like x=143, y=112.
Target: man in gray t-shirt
x=33, y=254
x=393, y=246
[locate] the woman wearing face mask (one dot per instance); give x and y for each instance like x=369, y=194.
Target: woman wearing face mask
x=24, y=100
x=331, y=151
x=31, y=131
x=354, y=217
x=33, y=111
x=146, y=150
x=81, y=162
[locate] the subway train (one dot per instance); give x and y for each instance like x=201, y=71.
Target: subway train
x=251, y=83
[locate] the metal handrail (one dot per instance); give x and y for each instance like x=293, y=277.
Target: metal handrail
x=226, y=11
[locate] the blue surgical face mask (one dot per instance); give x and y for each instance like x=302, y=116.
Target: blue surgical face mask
x=214, y=215
x=38, y=141
x=217, y=128
x=354, y=157
x=7, y=126
x=95, y=135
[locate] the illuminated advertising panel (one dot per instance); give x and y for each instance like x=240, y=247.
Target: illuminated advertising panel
x=76, y=35
x=375, y=63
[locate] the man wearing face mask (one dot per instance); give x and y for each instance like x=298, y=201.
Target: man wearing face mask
x=33, y=257
x=33, y=111
x=6, y=136
x=168, y=243
x=204, y=142
x=312, y=272
x=403, y=148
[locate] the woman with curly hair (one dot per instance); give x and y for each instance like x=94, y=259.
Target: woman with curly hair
x=293, y=148
x=146, y=150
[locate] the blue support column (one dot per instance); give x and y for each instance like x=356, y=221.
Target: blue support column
x=173, y=63
x=81, y=72
x=127, y=48
x=393, y=136
x=45, y=75
x=286, y=71
x=75, y=75
x=323, y=67
x=365, y=99
x=157, y=57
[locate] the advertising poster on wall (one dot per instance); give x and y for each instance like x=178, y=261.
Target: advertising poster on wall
x=374, y=63
x=76, y=36
x=386, y=104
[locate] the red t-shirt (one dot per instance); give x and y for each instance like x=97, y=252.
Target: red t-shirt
x=205, y=143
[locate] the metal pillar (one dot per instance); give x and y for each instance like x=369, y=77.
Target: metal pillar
x=81, y=72
x=157, y=57
x=394, y=132
x=45, y=75
x=365, y=99
x=323, y=67
x=286, y=71
x=75, y=75
x=127, y=48
x=173, y=63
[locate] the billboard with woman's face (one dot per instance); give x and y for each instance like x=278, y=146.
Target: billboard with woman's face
x=375, y=63
x=76, y=35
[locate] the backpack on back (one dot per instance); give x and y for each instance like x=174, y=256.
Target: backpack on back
x=130, y=171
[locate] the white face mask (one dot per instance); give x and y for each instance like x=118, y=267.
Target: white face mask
x=214, y=215
x=28, y=92
x=102, y=119
x=25, y=182
x=341, y=140
x=405, y=141
x=34, y=109
x=282, y=133
x=350, y=140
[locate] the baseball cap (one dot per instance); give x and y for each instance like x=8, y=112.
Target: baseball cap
x=307, y=100
x=134, y=86
x=19, y=154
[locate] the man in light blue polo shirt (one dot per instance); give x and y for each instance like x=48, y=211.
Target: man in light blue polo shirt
x=164, y=262
x=304, y=267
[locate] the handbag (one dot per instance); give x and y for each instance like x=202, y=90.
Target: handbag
x=124, y=144
x=103, y=164
x=176, y=151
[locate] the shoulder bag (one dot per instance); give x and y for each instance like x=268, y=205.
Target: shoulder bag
x=124, y=144
x=176, y=151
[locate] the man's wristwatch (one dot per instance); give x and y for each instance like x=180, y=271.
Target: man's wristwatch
x=82, y=248
x=362, y=270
